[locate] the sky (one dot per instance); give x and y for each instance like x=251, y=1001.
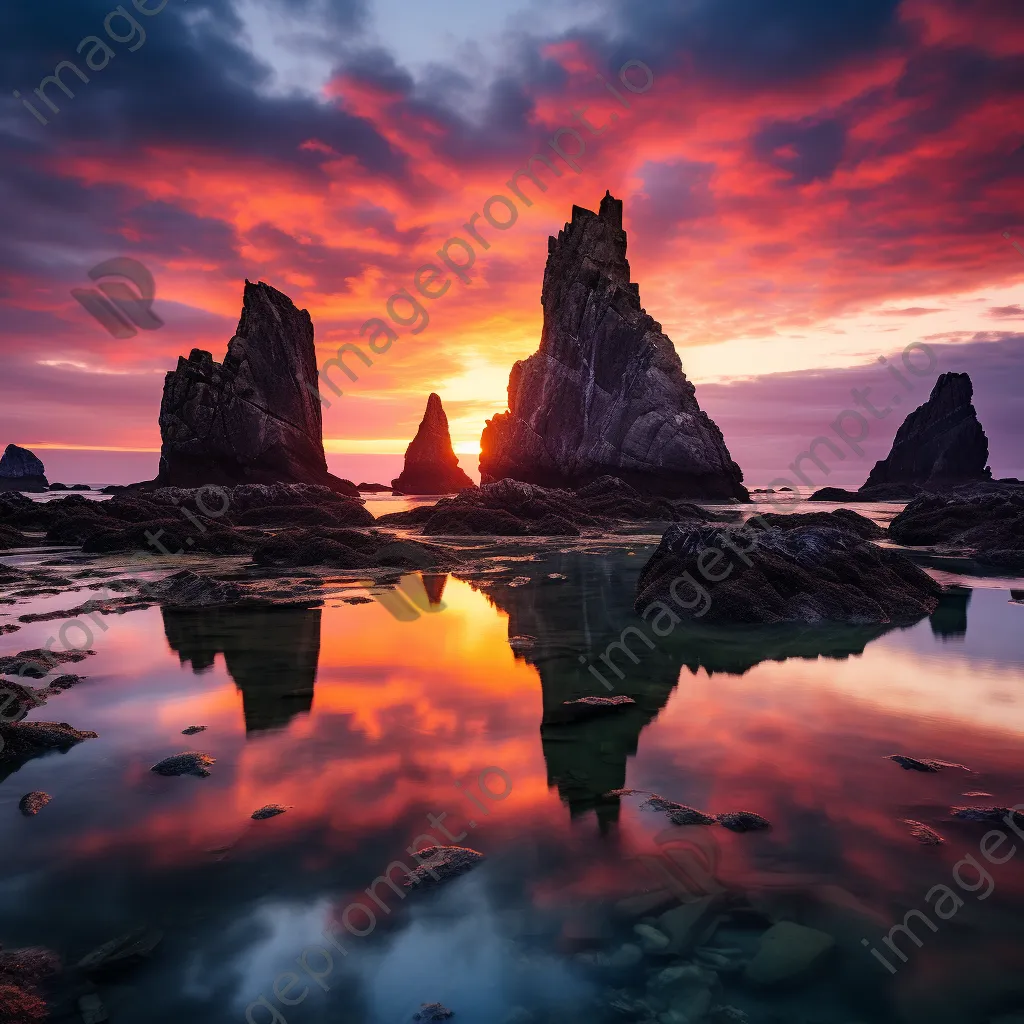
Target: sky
x=806, y=187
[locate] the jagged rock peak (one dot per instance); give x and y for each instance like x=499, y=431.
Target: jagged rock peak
x=255, y=418
x=940, y=442
x=605, y=394
x=431, y=466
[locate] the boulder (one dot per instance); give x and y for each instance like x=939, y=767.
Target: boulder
x=605, y=394
x=20, y=470
x=985, y=521
x=941, y=443
x=430, y=463
x=440, y=864
x=255, y=417
x=798, y=574
x=25, y=740
x=787, y=953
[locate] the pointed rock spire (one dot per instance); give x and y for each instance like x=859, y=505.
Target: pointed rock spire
x=605, y=394
x=940, y=443
x=430, y=463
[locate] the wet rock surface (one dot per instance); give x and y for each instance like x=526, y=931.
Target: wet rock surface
x=255, y=417
x=924, y=834
x=349, y=549
x=440, y=864
x=268, y=811
x=431, y=466
x=25, y=740
x=787, y=952
x=189, y=762
x=514, y=508
x=433, y=1011
x=32, y=803
x=605, y=393
x=985, y=522
x=798, y=574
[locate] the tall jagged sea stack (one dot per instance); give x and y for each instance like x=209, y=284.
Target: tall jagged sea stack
x=605, y=394
x=255, y=418
x=431, y=466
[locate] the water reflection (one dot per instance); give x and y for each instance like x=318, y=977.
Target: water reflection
x=949, y=620
x=270, y=653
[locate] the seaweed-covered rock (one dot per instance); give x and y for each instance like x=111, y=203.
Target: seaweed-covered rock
x=431, y=466
x=349, y=549
x=25, y=740
x=799, y=574
x=605, y=393
x=18, y=1006
x=440, y=864
x=985, y=521
x=189, y=762
x=186, y=589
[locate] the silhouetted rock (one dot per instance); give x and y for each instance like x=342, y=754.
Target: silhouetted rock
x=844, y=518
x=881, y=492
x=430, y=463
x=25, y=740
x=605, y=394
x=255, y=418
x=373, y=488
x=800, y=574
x=984, y=521
x=941, y=443
x=20, y=470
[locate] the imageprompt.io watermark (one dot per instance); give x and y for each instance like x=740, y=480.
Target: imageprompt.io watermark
x=122, y=311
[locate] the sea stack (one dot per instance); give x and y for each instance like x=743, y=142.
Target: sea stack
x=940, y=444
x=20, y=470
x=430, y=463
x=255, y=418
x=605, y=394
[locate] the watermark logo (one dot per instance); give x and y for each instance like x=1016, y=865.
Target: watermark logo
x=415, y=593
x=120, y=309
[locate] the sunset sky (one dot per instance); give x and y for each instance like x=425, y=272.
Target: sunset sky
x=808, y=186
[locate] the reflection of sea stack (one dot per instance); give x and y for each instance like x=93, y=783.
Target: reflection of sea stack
x=20, y=470
x=430, y=463
x=949, y=620
x=941, y=443
x=605, y=394
x=270, y=653
x=255, y=418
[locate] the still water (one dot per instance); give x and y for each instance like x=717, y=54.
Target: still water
x=362, y=725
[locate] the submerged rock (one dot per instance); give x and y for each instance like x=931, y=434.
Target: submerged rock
x=18, y=1006
x=787, y=952
x=912, y=763
x=20, y=470
x=743, y=821
x=190, y=762
x=923, y=833
x=440, y=864
x=986, y=814
x=268, y=811
x=605, y=393
x=32, y=803
x=433, y=1011
x=431, y=466
x=119, y=954
x=940, y=443
x=255, y=418
x=799, y=574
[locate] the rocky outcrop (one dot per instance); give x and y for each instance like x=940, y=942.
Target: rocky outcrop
x=801, y=574
x=20, y=470
x=941, y=443
x=984, y=522
x=430, y=463
x=605, y=394
x=511, y=508
x=255, y=418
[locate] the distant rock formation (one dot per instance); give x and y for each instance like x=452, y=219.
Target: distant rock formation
x=941, y=443
x=605, y=394
x=430, y=463
x=20, y=470
x=255, y=418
